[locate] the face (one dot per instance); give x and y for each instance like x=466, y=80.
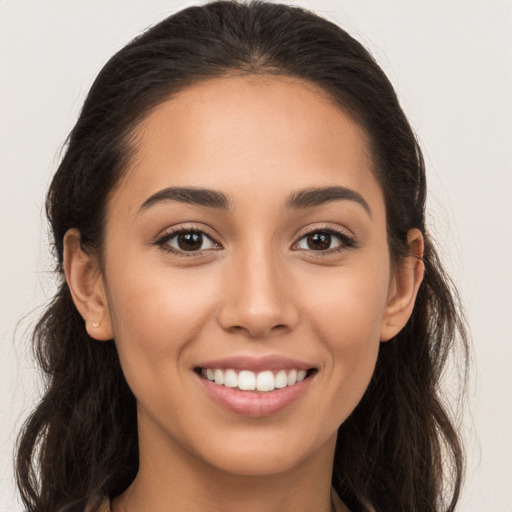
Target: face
x=246, y=246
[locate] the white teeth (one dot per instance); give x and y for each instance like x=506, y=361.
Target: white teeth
x=292, y=377
x=230, y=379
x=281, y=379
x=301, y=375
x=250, y=381
x=247, y=380
x=265, y=381
x=219, y=377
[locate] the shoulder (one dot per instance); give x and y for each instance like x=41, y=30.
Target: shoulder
x=338, y=505
x=98, y=505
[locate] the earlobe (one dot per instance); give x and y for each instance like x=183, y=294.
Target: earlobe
x=87, y=289
x=404, y=287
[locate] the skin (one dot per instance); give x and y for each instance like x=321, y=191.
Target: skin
x=258, y=289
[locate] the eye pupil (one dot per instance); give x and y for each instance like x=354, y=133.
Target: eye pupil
x=319, y=241
x=190, y=241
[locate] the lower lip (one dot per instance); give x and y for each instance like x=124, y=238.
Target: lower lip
x=253, y=403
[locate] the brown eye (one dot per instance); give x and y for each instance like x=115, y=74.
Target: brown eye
x=190, y=241
x=318, y=241
x=187, y=241
x=325, y=240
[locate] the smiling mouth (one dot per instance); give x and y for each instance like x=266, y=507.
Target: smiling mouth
x=247, y=380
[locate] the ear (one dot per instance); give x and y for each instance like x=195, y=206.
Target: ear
x=85, y=282
x=403, y=287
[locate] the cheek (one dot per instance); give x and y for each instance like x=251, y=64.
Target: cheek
x=345, y=313
x=348, y=305
x=155, y=316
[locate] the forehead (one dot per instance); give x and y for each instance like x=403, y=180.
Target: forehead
x=245, y=132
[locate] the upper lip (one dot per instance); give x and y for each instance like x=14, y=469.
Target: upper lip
x=256, y=364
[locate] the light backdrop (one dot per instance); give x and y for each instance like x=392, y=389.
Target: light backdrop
x=451, y=64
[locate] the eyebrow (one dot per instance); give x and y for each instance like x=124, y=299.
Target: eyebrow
x=311, y=197
x=190, y=195
x=306, y=198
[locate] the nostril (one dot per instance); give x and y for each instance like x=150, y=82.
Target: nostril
x=257, y=315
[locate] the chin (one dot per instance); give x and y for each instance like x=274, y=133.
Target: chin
x=258, y=454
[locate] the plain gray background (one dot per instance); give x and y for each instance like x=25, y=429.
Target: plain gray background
x=451, y=64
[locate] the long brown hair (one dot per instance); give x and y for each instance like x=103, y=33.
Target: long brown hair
x=399, y=450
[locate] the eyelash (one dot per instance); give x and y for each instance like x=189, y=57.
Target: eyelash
x=346, y=241
x=163, y=241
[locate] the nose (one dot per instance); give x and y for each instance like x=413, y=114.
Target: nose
x=257, y=300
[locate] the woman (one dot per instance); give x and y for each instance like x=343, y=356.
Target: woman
x=252, y=313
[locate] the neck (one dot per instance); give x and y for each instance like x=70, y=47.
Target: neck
x=171, y=478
